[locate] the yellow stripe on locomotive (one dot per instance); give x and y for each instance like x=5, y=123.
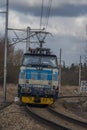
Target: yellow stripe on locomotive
x=42, y=100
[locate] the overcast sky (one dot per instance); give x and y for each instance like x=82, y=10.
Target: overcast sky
x=67, y=23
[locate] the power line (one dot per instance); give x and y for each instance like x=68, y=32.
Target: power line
x=47, y=16
x=48, y=11
x=41, y=13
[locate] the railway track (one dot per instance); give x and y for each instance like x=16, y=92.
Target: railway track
x=76, y=122
x=56, y=120
x=71, y=97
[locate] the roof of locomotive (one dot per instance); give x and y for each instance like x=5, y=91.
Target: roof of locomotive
x=40, y=52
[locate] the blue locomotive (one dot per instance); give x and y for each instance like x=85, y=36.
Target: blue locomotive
x=38, y=77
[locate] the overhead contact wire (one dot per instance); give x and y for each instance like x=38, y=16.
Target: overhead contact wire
x=41, y=13
x=48, y=12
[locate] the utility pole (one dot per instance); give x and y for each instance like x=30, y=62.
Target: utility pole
x=5, y=53
x=80, y=74
x=60, y=71
x=28, y=39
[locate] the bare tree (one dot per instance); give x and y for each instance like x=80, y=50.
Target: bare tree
x=17, y=57
x=13, y=62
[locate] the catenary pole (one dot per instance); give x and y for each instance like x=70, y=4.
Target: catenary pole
x=28, y=39
x=60, y=71
x=80, y=74
x=5, y=53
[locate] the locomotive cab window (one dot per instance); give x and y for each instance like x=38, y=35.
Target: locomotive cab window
x=40, y=60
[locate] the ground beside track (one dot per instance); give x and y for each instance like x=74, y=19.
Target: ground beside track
x=12, y=117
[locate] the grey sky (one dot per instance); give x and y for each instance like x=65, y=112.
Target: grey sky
x=64, y=10
x=67, y=23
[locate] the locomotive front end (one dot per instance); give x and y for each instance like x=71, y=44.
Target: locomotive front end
x=38, y=79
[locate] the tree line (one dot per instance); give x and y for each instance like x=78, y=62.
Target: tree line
x=70, y=75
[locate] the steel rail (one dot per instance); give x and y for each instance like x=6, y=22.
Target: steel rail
x=70, y=97
x=51, y=124
x=68, y=118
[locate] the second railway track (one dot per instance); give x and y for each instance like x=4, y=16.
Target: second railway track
x=56, y=120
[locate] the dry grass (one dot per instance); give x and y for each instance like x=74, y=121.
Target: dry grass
x=11, y=92
x=76, y=106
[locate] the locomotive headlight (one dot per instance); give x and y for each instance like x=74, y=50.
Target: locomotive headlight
x=46, y=92
x=49, y=92
x=26, y=90
x=23, y=89
x=29, y=90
